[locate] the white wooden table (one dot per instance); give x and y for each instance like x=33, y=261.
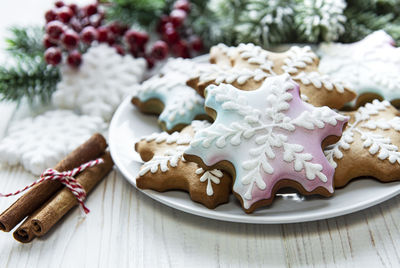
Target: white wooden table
x=127, y=229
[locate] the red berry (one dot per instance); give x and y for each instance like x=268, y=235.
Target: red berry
x=135, y=38
x=161, y=23
x=159, y=50
x=74, y=8
x=102, y=34
x=183, y=5
x=47, y=42
x=74, y=59
x=70, y=39
x=170, y=34
x=88, y=34
x=50, y=15
x=177, y=16
x=120, y=50
x=54, y=29
x=64, y=14
x=59, y=3
x=150, y=61
x=181, y=49
x=90, y=9
x=196, y=43
x=52, y=55
x=117, y=29
x=111, y=38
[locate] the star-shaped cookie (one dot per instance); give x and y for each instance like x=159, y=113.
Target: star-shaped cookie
x=165, y=168
x=250, y=65
x=369, y=145
x=168, y=96
x=371, y=67
x=267, y=139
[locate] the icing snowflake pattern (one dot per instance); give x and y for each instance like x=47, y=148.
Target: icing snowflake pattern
x=376, y=144
x=267, y=134
x=181, y=103
x=371, y=65
x=101, y=83
x=40, y=142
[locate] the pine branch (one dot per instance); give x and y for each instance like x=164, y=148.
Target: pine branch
x=31, y=78
x=25, y=41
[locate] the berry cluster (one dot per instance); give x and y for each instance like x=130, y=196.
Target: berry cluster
x=67, y=28
x=70, y=30
x=176, y=34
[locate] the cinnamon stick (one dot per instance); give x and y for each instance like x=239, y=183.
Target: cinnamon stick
x=51, y=212
x=40, y=193
x=24, y=232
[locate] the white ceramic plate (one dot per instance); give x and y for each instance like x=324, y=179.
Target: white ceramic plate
x=128, y=124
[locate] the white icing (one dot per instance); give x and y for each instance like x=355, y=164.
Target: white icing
x=298, y=58
x=255, y=55
x=103, y=80
x=211, y=176
x=230, y=75
x=39, y=143
x=175, y=137
x=162, y=162
x=318, y=80
x=376, y=144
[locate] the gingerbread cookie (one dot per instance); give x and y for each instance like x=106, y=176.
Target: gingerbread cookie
x=251, y=65
x=267, y=139
x=168, y=96
x=165, y=169
x=369, y=145
x=371, y=67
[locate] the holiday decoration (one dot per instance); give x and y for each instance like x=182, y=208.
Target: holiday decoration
x=40, y=142
x=100, y=84
x=370, y=67
x=371, y=139
x=266, y=137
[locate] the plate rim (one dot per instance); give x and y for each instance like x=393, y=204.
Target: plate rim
x=245, y=218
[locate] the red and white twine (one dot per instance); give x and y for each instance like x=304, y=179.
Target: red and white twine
x=67, y=179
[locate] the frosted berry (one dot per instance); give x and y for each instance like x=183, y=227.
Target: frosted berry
x=95, y=20
x=111, y=38
x=47, y=42
x=196, y=43
x=74, y=59
x=116, y=28
x=162, y=22
x=102, y=34
x=170, y=34
x=76, y=25
x=74, y=8
x=150, y=62
x=88, y=34
x=133, y=38
x=53, y=56
x=177, y=16
x=70, y=39
x=183, y=5
x=159, y=50
x=54, y=29
x=59, y=4
x=50, y=15
x=90, y=9
x=64, y=14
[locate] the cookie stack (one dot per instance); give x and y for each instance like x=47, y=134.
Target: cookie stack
x=267, y=122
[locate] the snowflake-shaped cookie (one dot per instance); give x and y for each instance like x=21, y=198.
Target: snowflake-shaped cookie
x=369, y=145
x=41, y=142
x=103, y=80
x=165, y=169
x=251, y=65
x=370, y=67
x=168, y=95
x=268, y=138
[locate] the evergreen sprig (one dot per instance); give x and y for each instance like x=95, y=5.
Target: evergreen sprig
x=27, y=75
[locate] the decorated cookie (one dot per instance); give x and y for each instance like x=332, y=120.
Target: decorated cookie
x=165, y=169
x=39, y=143
x=251, y=65
x=103, y=80
x=371, y=67
x=369, y=145
x=168, y=95
x=267, y=139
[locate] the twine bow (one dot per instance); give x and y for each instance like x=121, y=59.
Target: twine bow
x=67, y=179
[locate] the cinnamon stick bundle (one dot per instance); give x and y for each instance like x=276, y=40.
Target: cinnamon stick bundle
x=40, y=193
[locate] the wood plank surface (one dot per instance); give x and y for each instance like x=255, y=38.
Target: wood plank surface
x=127, y=229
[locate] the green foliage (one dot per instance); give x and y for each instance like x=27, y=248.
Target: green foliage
x=28, y=75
